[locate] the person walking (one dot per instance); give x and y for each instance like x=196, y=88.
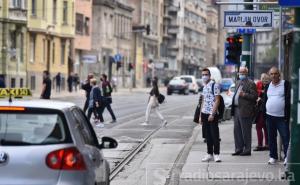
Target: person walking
x=261, y=128
x=75, y=81
x=107, y=90
x=46, y=88
x=208, y=116
x=153, y=103
x=86, y=86
x=278, y=108
x=96, y=104
x=58, y=81
x=243, y=110
x=70, y=82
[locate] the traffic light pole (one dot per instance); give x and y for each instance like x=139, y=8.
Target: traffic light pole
x=246, y=47
x=295, y=137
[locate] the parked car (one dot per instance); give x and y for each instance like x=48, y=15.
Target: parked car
x=228, y=96
x=191, y=80
x=226, y=83
x=177, y=85
x=200, y=84
x=50, y=142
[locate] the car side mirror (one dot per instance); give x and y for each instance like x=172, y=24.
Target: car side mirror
x=108, y=143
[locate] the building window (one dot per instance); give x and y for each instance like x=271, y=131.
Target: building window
x=22, y=48
x=16, y=3
x=63, y=50
x=12, y=83
x=32, y=82
x=44, y=50
x=32, y=47
x=79, y=23
x=33, y=7
x=87, y=26
x=44, y=9
x=21, y=82
x=65, y=12
x=53, y=53
x=54, y=11
x=13, y=39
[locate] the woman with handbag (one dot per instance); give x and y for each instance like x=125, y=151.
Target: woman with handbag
x=153, y=103
x=260, y=120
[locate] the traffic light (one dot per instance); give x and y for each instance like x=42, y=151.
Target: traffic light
x=234, y=48
x=148, y=29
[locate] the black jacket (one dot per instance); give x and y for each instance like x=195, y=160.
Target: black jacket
x=87, y=87
x=287, y=99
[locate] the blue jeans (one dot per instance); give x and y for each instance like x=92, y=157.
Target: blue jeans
x=274, y=124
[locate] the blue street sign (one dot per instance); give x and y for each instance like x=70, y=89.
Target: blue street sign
x=289, y=3
x=227, y=62
x=118, y=58
x=246, y=30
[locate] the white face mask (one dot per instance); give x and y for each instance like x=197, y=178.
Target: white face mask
x=205, y=78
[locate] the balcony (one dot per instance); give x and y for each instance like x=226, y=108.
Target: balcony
x=173, y=47
x=173, y=9
x=172, y=53
x=173, y=30
x=17, y=14
x=167, y=17
x=166, y=36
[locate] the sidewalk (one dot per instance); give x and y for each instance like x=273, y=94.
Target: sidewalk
x=233, y=170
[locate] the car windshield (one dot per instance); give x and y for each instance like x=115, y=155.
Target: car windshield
x=32, y=129
x=176, y=81
x=187, y=79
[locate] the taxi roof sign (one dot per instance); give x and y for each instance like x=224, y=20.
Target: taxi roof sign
x=14, y=92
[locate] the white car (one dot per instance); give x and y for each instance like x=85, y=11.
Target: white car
x=191, y=80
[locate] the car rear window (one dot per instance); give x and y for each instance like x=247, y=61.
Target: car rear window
x=227, y=81
x=29, y=128
x=186, y=79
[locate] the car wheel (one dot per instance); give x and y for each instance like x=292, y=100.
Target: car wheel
x=169, y=93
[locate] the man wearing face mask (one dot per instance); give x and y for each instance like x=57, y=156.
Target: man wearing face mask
x=209, y=118
x=243, y=110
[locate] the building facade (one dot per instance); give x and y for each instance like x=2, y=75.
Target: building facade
x=13, y=22
x=111, y=43
x=212, y=37
x=51, y=30
x=83, y=37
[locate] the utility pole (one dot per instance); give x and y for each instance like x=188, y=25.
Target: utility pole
x=246, y=48
x=295, y=137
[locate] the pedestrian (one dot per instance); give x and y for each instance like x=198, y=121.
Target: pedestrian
x=208, y=116
x=2, y=82
x=58, y=81
x=107, y=90
x=261, y=128
x=96, y=104
x=153, y=103
x=86, y=86
x=243, y=110
x=278, y=108
x=75, y=81
x=46, y=88
x=70, y=82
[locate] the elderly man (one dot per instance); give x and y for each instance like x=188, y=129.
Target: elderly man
x=243, y=110
x=278, y=104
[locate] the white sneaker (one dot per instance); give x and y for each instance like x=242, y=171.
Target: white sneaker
x=272, y=161
x=101, y=125
x=144, y=124
x=217, y=158
x=207, y=158
x=285, y=161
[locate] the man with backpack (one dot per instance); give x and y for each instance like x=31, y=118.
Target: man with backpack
x=209, y=116
x=243, y=110
x=107, y=90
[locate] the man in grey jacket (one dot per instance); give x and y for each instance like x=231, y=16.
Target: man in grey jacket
x=243, y=110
